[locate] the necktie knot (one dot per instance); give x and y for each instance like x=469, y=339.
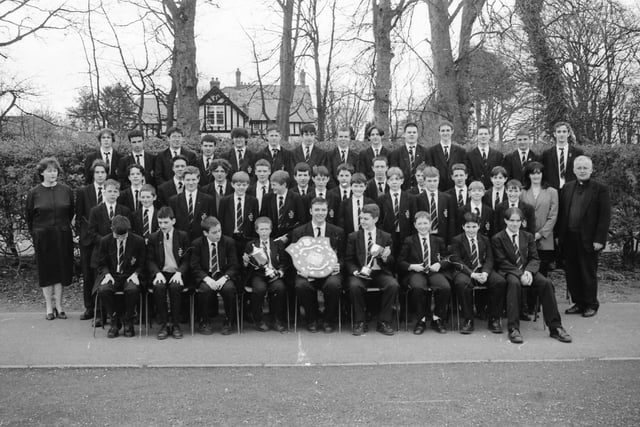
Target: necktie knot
x=168, y=236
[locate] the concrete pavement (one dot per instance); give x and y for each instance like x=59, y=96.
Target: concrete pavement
x=28, y=340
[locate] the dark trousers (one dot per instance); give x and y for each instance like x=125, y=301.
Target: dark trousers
x=420, y=283
x=206, y=297
x=358, y=291
x=88, y=276
x=581, y=268
x=496, y=287
x=541, y=286
x=306, y=291
x=175, y=300
x=131, y=295
x=277, y=294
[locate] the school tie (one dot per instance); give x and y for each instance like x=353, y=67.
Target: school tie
x=475, y=261
x=240, y=157
x=344, y=195
x=320, y=194
x=343, y=158
x=369, y=246
x=265, y=246
x=174, y=154
x=497, y=201
x=380, y=187
x=516, y=249
x=167, y=236
x=107, y=160
x=562, y=165
x=317, y=231
x=180, y=187
x=239, y=218
x=396, y=210
x=412, y=158
x=120, y=268
x=190, y=207
x=138, y=158
x=208, y=163
x=434, y=212
x=99, y=195
x=426, y=256
x=307, y=154
x=145, y=223
x=376, y=153
x=523, y=160
x=136, y=202
x=446, y=153
x=477, y=210
x=359, y=208
x=213, y=259
x=220, y=190
x=460, y=199
x=111, y=212
x=280, y=209
x=274, y=153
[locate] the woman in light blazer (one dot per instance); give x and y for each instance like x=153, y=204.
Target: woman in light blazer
x=545, y=201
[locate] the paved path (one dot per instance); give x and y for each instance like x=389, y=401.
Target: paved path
x=30, y=341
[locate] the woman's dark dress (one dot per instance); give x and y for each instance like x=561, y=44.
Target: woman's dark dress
x=49, y=214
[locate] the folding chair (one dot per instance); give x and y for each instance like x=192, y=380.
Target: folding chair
x=116, y=294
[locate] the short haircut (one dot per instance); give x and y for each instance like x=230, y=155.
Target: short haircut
x=135, y=133
x=179, y=157
x=524, y=132
x=45, y=163
x=148, y=187
x=97, y=163
x=421, y=167
x=319, y=201
x=345, y=167
x=216, y=163
x=174, y=129
x=380, y=131
x=112, y=183
x=239, y=133
x=499, y=170
x=431, y=172
x=511, y=211
x=476, y=185
x=358, y=178
x=302, y=167
x=395, y=171
x=459, y=167
x=240, y=176
x=308, y=128
x=514, y=183
x=559, y=124
x=483, y=126
x=272, y=128
x=209, y=222
x=371, y=209
x=263, y=162
x=207, y=137
x=320, y=170
x=421, y=214
x=445, y=123
x=263, y=220
x=192, y=170
x=410, y=125
x=135, y=166
x=345, y=129
x=583, y=159
x=166, y=212
x=281, y=177
x=106, y=131
x=470, y=217
x=120, y=225
x=380, y=159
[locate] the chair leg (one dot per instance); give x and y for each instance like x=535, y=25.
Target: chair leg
x=295, y=314
x=288, y=314
x=238, y=313
x=242, y=312
x=146, y=314
x=340, y=313
x=140, y=303
x=406, y=310
x=95, y=314
x=192, y=315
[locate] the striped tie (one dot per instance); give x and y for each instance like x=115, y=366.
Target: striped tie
x=99, y=195
x=280, y=209
x=239, y=219
x=111, y=212
x=516, y=249
x=190, y=207
x=562, y=165
x=396, y=210
x=434, y=212
x=460, y=199
x=213, y=260
x=120, y=268
x=475, y=261
x=145, y=224
x=369, y=246
x=426, y=256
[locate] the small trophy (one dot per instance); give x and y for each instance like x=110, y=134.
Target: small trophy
x=365, y=271
x=258, y=258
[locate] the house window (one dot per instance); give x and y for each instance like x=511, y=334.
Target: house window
x=215, y=116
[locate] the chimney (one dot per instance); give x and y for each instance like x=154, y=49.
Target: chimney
x=214, y=83
x=238, y=78
x=302, y=78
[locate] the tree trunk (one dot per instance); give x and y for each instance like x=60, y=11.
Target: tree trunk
x=382, y=17
x=184, y=72
x=549, y=76
x=287, y=69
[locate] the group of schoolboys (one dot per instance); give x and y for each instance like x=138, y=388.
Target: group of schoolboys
x=180, y=219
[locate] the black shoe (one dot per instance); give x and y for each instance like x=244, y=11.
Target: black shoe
x=437, y=326
x=327, y=328
x=176, y=332
x=205, y=329
x=419, y=328
x=163, y=333
x=524, y=317
x=279, y=326
x=385, y=328
x=60, y=315
x=358, y=329
x=226, y=328
x=467, y=328
x=262, y=326
x=312, y=327
x=113, y=332
x=88, y=314
x=129, y=332
x=515, y=336
x=98, y=323
x=561, y=335
x=574, y=309
x=589, y=312
x=494, y=326
x=50, y=316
